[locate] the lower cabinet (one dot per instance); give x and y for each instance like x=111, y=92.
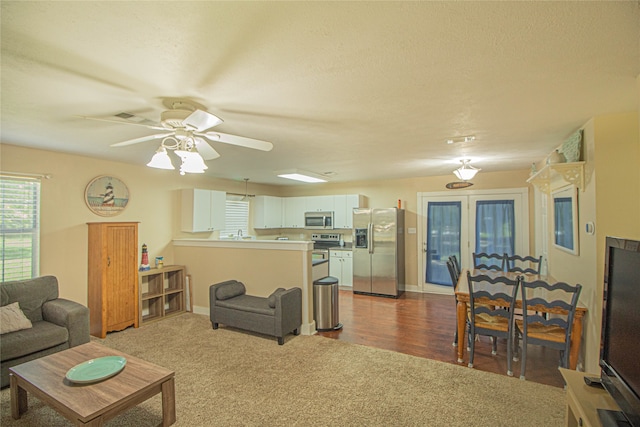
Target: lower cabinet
x=162, y=292
x=341, y=266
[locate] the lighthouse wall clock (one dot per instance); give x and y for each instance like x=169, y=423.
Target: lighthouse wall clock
x=106, y=195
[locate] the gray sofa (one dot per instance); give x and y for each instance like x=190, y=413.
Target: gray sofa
x=58, y=323
x=276, y=315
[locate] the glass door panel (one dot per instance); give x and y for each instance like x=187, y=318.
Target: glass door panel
x=444, y=220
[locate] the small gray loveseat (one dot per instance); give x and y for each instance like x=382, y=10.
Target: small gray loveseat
x=276, y=315
x=56, y=323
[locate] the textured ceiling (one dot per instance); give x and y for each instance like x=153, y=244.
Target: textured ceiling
x=366, y=90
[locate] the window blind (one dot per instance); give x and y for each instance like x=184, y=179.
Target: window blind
x=236, y=218
x=19, y=228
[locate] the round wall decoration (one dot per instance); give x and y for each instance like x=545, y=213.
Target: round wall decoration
x=106, y=195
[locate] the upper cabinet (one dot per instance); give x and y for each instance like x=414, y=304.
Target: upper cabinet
x=343, y=211
x=203, y=210
x=293, y=212
x=320, y=204
x=288, y=212
x=267, y=212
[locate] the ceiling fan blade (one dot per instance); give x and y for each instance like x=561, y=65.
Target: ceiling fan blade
x=123, y=122
x=206, y=151
x=201, y=120
x=141, y=139
x=240, y=141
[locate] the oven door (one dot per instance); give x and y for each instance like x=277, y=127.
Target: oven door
x=319, y=254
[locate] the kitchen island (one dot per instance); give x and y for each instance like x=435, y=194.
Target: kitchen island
x=262, y=265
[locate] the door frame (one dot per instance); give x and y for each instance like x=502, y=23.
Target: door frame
x=522, y=228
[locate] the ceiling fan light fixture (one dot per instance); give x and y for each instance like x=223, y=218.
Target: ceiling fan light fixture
x=191, y=162
x=466, y=172
x=161, y=160
x=304, y=176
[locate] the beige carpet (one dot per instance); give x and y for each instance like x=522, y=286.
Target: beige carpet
x=231, y=378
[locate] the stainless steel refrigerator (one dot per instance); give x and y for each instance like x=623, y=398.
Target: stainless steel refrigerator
x=378, y=251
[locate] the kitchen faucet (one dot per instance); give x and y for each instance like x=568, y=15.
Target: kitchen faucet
x=239, y=236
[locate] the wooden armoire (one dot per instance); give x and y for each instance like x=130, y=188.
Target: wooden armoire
x=113, y=276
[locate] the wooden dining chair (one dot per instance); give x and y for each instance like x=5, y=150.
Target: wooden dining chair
x=526, y=264
x=454, y=281
x=455, y=262
x=490, y=299
x=485, y=261
x=552, y=331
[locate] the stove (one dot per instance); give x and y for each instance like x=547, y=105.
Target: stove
x=325, y=240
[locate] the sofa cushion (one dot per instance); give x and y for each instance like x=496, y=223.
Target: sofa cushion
x=230, y=290
x=31, y=294
x=272, y=297
x=26, y=341
x=248, y=303
x=13, y=319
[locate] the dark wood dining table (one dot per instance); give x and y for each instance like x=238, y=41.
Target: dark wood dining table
x=462, y=296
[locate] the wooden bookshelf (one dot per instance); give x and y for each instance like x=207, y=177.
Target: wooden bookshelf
x=162, y=293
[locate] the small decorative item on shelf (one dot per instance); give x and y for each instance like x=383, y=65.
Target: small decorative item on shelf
x=144, y=264
x=159, y=262
x=571, y=147
x=555, y=157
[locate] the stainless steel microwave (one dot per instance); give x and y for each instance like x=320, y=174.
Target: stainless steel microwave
x=318, y=220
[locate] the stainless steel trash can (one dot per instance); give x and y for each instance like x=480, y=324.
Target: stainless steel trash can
x=325, y=304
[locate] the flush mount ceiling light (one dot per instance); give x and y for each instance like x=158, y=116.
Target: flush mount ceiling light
x=466, y=172
x=458, y=139
x=300, y=175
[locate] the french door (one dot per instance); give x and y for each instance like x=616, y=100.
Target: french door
x=471, y=221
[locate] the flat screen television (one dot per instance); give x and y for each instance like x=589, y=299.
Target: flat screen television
x=620, y=344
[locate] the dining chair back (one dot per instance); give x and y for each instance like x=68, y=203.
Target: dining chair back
x=526, y=264
x=490, y=301
x=455, y=262
x=560, y=300
x=487, y=261
x=454, y=281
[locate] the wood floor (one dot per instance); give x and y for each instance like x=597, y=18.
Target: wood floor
x=423, y=325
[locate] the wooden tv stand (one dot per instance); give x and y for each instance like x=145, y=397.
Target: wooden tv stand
x=583, y=401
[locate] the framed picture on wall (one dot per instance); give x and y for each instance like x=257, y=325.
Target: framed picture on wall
x=106, y=195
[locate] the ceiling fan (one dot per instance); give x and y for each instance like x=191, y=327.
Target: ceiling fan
x=185, y=129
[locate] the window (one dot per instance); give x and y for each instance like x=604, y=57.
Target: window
x=19, y=228
x=236, y=218
x=495, y=227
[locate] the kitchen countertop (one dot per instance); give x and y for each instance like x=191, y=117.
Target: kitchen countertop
x=346, y=247
x=282, y=245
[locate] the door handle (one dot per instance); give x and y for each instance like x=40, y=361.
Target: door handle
x=370, y=238
x=108, y=261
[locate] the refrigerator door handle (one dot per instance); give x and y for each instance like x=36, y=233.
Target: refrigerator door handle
x=370, y=238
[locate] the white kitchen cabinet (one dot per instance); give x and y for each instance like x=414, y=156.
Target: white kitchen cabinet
x=344, y=204
x=267, y=212
x=203, y=210
x=320, y=204
x=294, y=209
x=341, y=266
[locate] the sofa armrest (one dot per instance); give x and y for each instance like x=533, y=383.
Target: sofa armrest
x=71, y=315
x=288, y=311
x=213, y=296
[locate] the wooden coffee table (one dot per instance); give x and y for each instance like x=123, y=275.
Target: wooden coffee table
x=95, y=403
